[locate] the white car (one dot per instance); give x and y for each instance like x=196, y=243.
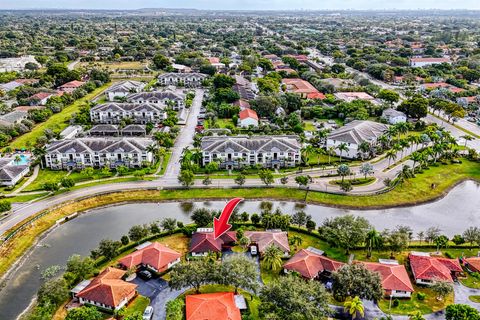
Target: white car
x=148, y=313
x=253, y=250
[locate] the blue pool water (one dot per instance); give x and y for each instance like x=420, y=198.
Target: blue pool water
x=24, y=159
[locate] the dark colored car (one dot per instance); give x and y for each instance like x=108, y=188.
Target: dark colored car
x=145, y=275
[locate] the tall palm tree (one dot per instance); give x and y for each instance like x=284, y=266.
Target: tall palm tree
x=364, y=148
x=342, y=147
x=391, y=155
x=354, y=307
x=404, y=144
x=416, y=157
x=467, y=138
x=17, y=159
x=272, y=258
x=373, y=240
x=330, y=151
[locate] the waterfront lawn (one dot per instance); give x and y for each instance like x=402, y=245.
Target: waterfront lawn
x=408, y=306
x=178, y=242
x=56, y=122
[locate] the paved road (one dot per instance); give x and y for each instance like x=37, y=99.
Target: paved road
x=185, y=138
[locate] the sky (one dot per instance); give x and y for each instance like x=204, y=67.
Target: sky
x=244, y=4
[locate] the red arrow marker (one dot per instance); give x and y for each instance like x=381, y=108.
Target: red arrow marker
x=221, y=225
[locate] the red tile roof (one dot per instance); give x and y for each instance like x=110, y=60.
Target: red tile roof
x=212, y=306
x=300, y=86
x=248, y=113
x=433, y=268
x=108, y=288
x=242, y=103
x=394, y=277
x=155, y=255
x=316, y=95
x=264, y=239
x=72, y=84
x=309, y=264
x=473, y=263
x=41, y=95
x=205, y=242
x=430, y=60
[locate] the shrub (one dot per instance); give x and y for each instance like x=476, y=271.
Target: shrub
x=5, y=205
x=421, y=296
x=396, y=303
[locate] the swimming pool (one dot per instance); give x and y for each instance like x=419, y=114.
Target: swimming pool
x=24, y=159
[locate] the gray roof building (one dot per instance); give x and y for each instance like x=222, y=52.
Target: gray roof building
x=359, y=131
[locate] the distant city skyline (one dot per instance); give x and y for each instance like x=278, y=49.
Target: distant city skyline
x=244, y=4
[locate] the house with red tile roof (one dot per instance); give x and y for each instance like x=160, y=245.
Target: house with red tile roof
x=155, y=256
x=108, y=290
x=472, y=264
x=298, y=57
x=302, y=88
x=71, y=86
x=212, y=306
x=395, y=280
x=422, y=62
x=40, y=98
x=264, y=239
x=248, y=117
x=242, y=103
x=312, y=264
x=427, y=269
x=203, y=242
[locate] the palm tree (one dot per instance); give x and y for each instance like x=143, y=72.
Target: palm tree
x=296, y=241
x=373, y=240
x=467, y=138
x=272, y=258
x=17, y=159
x=391, y=155
x=331, y=151
x=402, y=128
x=354, y=307
x=391, y=132
x=306, y=152
x=153, y=149
x=416, y=157
x=364, y=148
x=404, y=144
x=342, y=147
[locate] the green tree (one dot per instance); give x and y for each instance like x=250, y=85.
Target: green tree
x=67, y=182
x=345, y=231
x=138, y=232
x=54, y=291
x=461, y=312
x=240, y=179
x=354, y=307
x=266, y=176
x=272, y=258
x=366, y=169
x=441, y=242
x=343, y=170
x=302, y=181
x=169, y=224
x=388, y=95
x=84, y=313
x=108, y=249
x=239, y=271
x=161, y=62
x=202, y=217
x=192, y=274
x=80, y=266
x=356, y=280
x=175, y=309
x=186, y=178
x=292, y=299
x=373, y=241
x=442, y=289
x=416, y=316
x=300, y=218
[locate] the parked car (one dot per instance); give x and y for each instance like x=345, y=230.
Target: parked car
x=253, y=250
x=148, y=313
x=145, y=275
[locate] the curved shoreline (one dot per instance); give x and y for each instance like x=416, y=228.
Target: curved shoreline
x=147, y=196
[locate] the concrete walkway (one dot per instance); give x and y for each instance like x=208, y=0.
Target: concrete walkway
x=28, y=182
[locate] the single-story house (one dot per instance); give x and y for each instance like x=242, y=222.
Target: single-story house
x=155, y=256
x=247, y=118
x=472, y=264
x=303, y=88
x=352, y=96
x=203, y=241
x=354, y=134
x=427, y=269
x=71, y=86
x=212, y=306
x=264, y=239
x=421, y=62
x=40, y=98
x=107, y=290
x=395, y=280
x=12, y=118
x=394, y=116
x=242, y=103
x=312, y=264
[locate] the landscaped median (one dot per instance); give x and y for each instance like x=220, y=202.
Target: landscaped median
x=414, y=191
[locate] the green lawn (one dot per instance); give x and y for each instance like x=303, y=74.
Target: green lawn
x=138, y=305
x=471, y=281
x=309, y=126
x=315, y=159
x=408, y=306
x=25, y=198
x=56, y=122
x=475, y=299
x=165, y=162
x=355, y=182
